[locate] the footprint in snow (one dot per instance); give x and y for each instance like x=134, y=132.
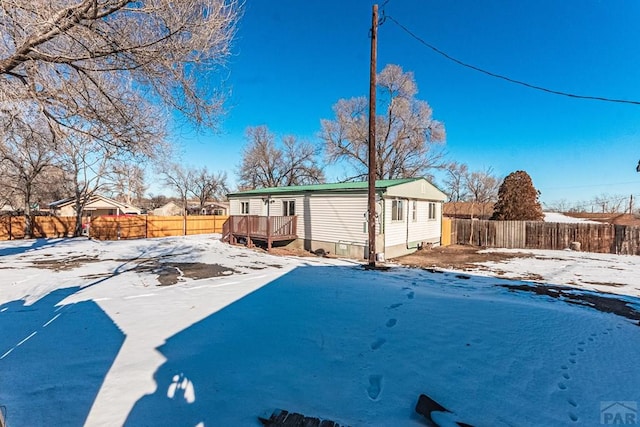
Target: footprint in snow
x=391, y=323
x=411, y=294
x=396, y=305
x=375, y=386
x=378, y=343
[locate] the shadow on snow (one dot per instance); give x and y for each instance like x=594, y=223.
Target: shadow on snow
x=27, y=245
x=54, y=353
x=317, y=341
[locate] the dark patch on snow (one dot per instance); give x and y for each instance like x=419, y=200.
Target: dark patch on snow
x=615, y=285
x=65, y=263
x=170, y=274
x=462, y=276
x=260, y=266
x=282, y=418
x=377, y=267
x=601, y=301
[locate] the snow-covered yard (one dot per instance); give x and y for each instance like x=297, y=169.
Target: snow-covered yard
x=90, y=338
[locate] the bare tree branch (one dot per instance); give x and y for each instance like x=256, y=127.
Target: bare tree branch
x=408, y=139
x=266, y=165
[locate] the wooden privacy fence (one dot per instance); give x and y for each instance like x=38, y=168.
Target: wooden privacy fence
x=602, y=238
x=114, y=227
x=13, y=227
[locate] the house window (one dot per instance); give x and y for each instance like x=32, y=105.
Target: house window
x=414, y=211
x=289, y=207
x=397, y=210
x=432, y=210
x=244, y=208
x=217, y=211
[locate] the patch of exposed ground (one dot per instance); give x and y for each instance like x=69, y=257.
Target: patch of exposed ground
x=456, y=257
x=601, y=301
x=65, y=263
x=172, y=273
x=284, y=251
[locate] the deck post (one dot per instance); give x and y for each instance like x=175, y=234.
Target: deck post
x=269, y=237
x=248, y=232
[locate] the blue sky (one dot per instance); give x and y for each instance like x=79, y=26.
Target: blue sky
x=294, y=59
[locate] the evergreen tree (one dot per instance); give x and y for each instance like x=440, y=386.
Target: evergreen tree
x=518, y=199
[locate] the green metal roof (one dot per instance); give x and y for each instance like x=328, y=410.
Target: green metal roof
x=335, y=187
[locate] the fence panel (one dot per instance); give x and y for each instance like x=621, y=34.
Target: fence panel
x=113, y=227
x=53, y=226
x=446, y=236
x=508, y=234
x=118, y=227
x=602, y=238
x=205, y=224
x=164, y=226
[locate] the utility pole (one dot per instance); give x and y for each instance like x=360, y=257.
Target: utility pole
x=372, y=139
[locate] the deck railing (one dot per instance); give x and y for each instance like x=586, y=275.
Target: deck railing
x=253, y=227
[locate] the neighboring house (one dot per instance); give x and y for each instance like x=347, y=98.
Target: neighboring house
x=333, y=217
x=210, y=208
x=168, y=209
x=468, y=210
x=96, y=206
x=216, y=208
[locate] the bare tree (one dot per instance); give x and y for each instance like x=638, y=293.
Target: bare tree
x=264, y=164
x=408, y=139
x=454, y=181
x=482, y=187
x=25, y=153
x=610, y=203
x=126, y=181
x=207, y=185
x=155, y=201
x=561, y=205
x=86, y=164
x=100, y=68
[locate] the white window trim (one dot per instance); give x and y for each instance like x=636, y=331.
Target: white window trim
x=285, y=211
x=397, y=213
x=435, y=211
x=242, y=210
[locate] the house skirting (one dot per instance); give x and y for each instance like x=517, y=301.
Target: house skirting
x=340, y=249
x=358, y=250
x=409, y=248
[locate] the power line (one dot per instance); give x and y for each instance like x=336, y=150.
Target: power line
x=500, y=76
x=591, y=185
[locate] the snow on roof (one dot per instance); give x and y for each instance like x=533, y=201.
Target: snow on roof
x=558, y=217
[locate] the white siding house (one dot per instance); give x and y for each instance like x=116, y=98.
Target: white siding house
x=333, y=217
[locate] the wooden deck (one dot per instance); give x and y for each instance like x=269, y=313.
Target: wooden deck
x=259, y=228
